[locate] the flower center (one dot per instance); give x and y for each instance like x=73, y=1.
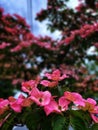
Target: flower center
x=59, y=107
x=40, y=100
x=96, y=115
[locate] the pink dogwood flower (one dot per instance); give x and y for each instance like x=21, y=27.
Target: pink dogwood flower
x=56, y=75
x=3, y=105
x=59, y=107
x=47, y=83
x=3, y=45
x=39, y=97
x=28, y=85
x=16, y=104
x=26, y=102
x=76, y=98
x=94, y=117
x=89, y=105
x=94, y=114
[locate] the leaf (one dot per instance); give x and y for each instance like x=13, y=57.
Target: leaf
x=67, y=121
x=46, y=123
x=9, y=123
x=78, y=121
x=6, y=127
x=32, y=120
x=59, y=123
x=83, y=115
x=94, y=127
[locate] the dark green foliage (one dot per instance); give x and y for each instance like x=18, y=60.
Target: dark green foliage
x=94, y=127
x=59, y=123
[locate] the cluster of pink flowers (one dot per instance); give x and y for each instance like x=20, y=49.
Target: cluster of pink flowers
x=55, y=77
x=19, y=35
x=23, y=38
x=3, y=45
x=28, y=41
x=50, y=103
x=83, y=32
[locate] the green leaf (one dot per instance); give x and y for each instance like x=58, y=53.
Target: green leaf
x=84, y=115
x=94, y=127
x=67, y=121
x=6, y=126
x=59, y=123
x=46, y=123
x=9, y=123
x=78, y=121
x=32, y=120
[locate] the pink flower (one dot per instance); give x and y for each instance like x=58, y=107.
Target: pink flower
x=89, y=105
x=26, y=102
x=25, y=44
x=29, y=85
x=94, y=114
x=75, y=98
x=47, y=83
x=16, y=49
x=4, y=45
x=94, y=117
x=63, y=103
x=95, y=110
x=3, y=105
x=16, y=104
x=39, y=97
x=59, y=107
x=56, y=75
x=69, y=39
x=52, y=107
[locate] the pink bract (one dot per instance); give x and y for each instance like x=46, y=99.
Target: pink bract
x=56, y=75
x=75, y=98
x=39, y=97
x=89, y=105
x=3, y=105
x=51, y=107
x=55, y=107
x=47, y=83
x=94, y=117
x=16, y=104
x=28, y=85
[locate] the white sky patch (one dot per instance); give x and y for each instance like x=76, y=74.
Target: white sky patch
x=73, y=3
x=17, y=93
x=42, y=30
x=91, y=51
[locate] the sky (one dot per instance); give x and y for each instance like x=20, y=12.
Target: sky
x=20, y=7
